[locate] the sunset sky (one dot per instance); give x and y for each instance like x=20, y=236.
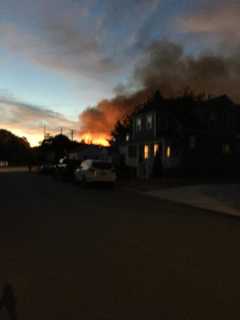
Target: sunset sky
x=60, y=56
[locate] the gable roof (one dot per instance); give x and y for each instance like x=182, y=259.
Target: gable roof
x=187, y=109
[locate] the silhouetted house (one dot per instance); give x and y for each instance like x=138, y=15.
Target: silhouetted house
x=184, y=134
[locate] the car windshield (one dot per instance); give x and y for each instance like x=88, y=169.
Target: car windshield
x=102, y=165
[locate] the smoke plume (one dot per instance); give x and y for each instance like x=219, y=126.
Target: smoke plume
x=166, y=67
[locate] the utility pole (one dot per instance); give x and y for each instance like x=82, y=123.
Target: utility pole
x=44, y=131
x=61, y=131
x=72, y=134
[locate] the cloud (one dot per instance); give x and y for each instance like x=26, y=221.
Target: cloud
x=166, y=66
x=221, y=20
x=80, y=37
x=28, y=120
x=62, y=48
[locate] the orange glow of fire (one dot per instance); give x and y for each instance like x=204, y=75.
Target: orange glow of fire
x=99, y=139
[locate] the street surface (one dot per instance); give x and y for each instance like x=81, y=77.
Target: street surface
x=74, y=253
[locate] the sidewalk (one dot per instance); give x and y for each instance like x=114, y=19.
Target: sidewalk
x=14, y=169
x=223, y=198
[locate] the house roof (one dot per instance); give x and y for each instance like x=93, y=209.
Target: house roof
x=152, y=104
x=185, y=102
x=186, y=109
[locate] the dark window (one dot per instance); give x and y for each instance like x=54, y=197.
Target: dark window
x=132, y=151
x=212, y=121
x=162, y=122
x=149, y=122
x=192, y=142
x=231, y=123
x=138, y=124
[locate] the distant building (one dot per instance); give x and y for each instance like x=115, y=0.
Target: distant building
x=90, y=151
x=183, y=135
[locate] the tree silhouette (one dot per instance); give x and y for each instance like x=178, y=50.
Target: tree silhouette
x=14, y=149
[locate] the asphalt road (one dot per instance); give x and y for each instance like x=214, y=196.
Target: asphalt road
x=74, y=253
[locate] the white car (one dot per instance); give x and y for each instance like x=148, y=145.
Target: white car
x=3, y=164
x=95, y=171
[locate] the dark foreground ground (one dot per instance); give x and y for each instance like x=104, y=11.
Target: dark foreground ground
x=75, y=253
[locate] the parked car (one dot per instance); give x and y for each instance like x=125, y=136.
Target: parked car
x=3, y=164
x=47, y=168
x=95, y=171
x=65, y=168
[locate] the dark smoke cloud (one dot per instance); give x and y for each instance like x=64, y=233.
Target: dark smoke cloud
x=165, y=67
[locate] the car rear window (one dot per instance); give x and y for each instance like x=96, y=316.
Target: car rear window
x=102, y=165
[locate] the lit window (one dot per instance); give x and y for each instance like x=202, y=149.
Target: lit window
x=156, y=149
x=149, y=121
x=127, y=137
x=227, y=149
x=168, y=152
x=146, y=152
x=139, y=124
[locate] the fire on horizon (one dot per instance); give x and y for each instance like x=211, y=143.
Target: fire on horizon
x=95, y=139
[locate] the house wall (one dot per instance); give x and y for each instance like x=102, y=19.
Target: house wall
x=166, y=160
x=130, y=161
x=173, y=160
x=199, y=142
